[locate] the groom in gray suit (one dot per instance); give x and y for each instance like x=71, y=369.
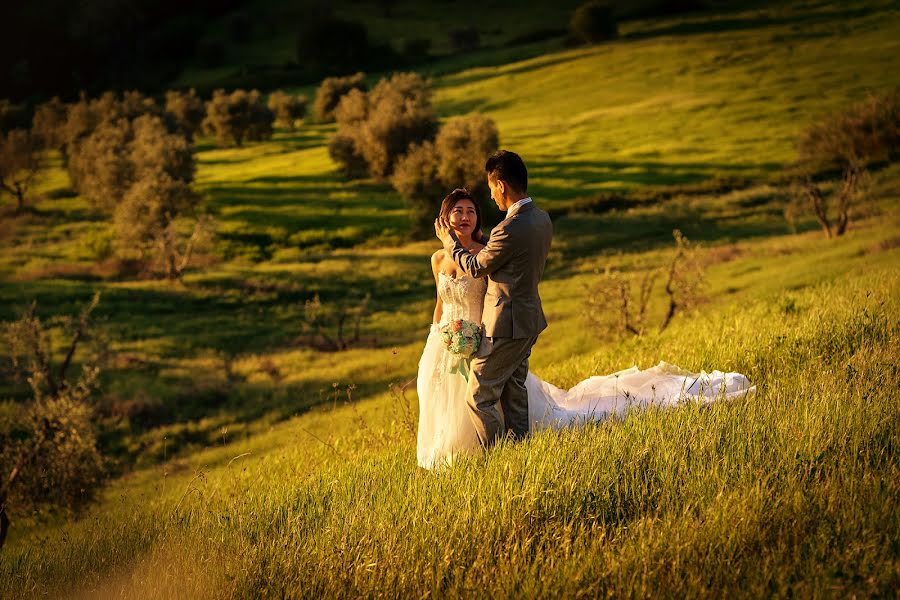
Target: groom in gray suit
x=513, y=261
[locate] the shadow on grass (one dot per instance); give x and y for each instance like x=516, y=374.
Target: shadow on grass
x=584, y=234
x=632, y=174
x=245, y=313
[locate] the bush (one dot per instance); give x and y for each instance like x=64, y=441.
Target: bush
x=147, y=209
x=119, y=153
x=155, y=148
x=384, y=122
x=99, y=166
x=187, y=109
x=342, y=150
x=463, y=144
x=287, y=108
x=48, y=450
x=455, y=159
x=416, y=180
x=330, y=92
x=845, y=144
x=49, y=122
x=612, y=307
x=238, y=116
x=594, y=22
x=20, y=162
x=865, y=133
x=85, y=116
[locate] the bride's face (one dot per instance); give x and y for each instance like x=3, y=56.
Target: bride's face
x=463, y=217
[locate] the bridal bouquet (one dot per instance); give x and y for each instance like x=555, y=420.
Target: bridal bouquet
x=462, y=339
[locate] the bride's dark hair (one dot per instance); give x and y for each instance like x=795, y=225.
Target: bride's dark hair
x=450, y=201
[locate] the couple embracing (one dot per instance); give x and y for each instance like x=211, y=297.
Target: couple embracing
x=494, y=281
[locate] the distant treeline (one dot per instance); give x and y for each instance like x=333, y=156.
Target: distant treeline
x=57, y=47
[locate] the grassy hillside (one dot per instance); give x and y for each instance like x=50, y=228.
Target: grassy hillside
x=294, y=471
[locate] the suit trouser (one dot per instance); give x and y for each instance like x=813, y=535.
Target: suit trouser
x=496, y=378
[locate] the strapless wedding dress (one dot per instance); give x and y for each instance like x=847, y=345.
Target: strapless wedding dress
x=445, y=428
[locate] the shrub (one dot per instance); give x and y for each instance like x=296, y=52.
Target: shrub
x=49, y=122
x=463, y=144
x=342, y=150
x=85, y=116
x=336, y=326
x=455, y=159
x=20, y=162
x=809, y=197
x=147, y=209
x=48, y=450
x=416, y=180
x=384, y=122
x=119, y=153
x=865, y=133
x=287, y=108
x=238, y=116
x=155, y=148
x=99, y=166
x=849, y=142
x=330, y=92
x=187, y=109
x=611, y=307
x=594, y=22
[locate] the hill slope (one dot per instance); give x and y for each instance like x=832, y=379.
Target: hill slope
x=280, y=485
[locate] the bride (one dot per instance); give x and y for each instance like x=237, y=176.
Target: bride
x=445, y=427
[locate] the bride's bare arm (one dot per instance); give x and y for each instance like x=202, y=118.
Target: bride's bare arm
x=436, y=259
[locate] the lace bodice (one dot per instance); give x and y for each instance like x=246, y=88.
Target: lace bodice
x=463, y=297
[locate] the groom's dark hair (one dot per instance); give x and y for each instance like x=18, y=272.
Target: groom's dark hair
x=509, y=167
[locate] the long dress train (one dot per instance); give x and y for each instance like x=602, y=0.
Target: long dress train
x=445, y=428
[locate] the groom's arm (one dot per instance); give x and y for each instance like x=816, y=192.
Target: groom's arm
x=494, y=255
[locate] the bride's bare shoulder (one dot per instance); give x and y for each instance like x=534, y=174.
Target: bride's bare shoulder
x=437, y=259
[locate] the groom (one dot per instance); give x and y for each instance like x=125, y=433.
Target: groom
x=513, y=317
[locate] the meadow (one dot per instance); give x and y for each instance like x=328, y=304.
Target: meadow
x=249, y=465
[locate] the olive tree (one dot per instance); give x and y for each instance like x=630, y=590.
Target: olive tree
x=237, y=117
x=48, y=449
x=20, y=162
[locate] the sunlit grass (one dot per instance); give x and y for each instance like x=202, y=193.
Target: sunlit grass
x=285, y=469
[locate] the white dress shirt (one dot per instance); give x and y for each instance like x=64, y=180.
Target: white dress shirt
x=512, y=209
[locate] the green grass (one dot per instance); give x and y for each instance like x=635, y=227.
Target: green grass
x=790, y=491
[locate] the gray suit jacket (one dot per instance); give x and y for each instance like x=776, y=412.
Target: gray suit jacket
x=514, y=261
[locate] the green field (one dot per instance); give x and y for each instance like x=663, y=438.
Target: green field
x=259, y=467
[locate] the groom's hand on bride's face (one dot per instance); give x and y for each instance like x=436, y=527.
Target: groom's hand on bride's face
x=442, y=231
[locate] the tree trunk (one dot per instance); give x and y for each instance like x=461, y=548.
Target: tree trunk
x=4, y=521
x=20, y=200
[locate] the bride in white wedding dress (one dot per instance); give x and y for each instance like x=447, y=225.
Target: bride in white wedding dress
x=445, y=428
